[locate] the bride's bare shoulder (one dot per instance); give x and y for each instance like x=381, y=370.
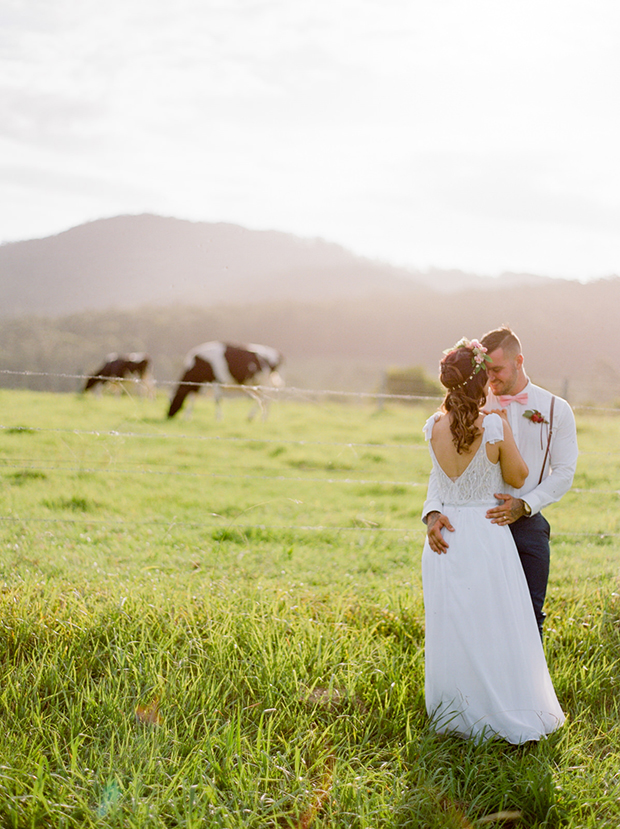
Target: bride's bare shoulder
x=442, y=421
x=441, y=430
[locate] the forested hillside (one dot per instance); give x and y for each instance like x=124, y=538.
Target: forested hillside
x=568, y=331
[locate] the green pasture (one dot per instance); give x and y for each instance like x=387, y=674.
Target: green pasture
x=221, y=624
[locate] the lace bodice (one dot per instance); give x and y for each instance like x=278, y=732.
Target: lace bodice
x=481, y=480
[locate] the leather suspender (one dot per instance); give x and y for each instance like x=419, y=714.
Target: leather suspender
x=542, y=471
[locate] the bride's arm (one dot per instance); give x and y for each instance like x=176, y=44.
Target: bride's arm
x=514, y=468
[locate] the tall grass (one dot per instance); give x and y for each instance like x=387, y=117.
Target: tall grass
x=181, y=646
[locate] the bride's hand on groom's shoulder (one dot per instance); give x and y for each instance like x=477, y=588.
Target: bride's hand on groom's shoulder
x=501, y=412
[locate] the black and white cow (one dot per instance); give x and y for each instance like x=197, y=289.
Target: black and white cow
x=224, y=364
x=119, y=367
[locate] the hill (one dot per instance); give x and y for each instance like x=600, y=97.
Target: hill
x=161, y=285
x=129, y=261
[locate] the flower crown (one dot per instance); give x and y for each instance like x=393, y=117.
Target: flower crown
x=478, y=356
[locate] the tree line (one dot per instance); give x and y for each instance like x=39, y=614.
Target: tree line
x=568, y=333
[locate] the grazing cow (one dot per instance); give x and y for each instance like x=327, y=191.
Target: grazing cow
x=118, y=367
x=221, y=363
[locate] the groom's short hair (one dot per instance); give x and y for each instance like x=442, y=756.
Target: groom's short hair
x=504, y=338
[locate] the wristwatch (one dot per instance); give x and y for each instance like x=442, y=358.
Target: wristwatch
x=526, y=508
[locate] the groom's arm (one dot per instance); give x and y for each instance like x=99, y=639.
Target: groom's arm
x=433, y=501
x=562, y=461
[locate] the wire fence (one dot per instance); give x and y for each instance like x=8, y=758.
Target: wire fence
x=406, y=531
x=284, y=392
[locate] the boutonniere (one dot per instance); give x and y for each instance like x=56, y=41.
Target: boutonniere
x=535, y=416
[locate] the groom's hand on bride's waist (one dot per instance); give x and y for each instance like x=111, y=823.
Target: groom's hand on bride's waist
x=509, y=511
x=435, y=522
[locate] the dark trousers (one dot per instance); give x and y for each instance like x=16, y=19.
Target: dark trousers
x=531, y=536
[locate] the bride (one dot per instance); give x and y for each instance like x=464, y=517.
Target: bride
x=486, y=674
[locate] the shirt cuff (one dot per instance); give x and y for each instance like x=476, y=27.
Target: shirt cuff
x=431, y=506
x=532, y=501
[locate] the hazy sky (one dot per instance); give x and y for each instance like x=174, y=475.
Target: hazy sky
x=476, y=134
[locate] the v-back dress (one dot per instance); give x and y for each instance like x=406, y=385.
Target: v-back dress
x=486, y=673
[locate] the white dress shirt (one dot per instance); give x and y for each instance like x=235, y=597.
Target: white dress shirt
x=531, y=439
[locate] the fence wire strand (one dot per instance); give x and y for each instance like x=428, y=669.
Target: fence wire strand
x=276, y=392
x=219, y=438
x=108, y=470
x=230, y=527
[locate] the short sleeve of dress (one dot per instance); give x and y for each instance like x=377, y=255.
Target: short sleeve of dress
x=428, y=426
x=493, y=428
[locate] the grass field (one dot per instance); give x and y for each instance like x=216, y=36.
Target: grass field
x=221, y=624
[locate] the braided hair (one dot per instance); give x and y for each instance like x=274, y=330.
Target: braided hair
x=466, y=393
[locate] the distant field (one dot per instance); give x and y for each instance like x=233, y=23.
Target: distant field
x=221, y=624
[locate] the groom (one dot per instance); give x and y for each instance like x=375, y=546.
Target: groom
x=532, y=413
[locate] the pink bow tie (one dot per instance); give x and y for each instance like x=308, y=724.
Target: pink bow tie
x=507, y=399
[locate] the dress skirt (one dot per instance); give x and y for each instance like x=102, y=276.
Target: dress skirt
x=485, y=671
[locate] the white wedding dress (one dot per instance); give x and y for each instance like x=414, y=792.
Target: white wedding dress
x=486, y=674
